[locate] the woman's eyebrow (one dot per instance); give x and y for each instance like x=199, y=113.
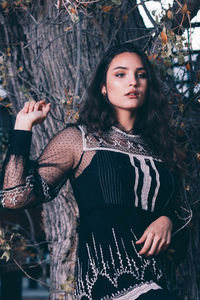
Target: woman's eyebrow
x=120, y=67
x=125, y=68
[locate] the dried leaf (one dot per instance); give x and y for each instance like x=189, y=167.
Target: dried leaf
x=188, y=67
x=170, y=72
x=106, y=8
x=187, y=187
x=4, y=4
x=184, y=8
x=20, y=69
x=68, y=28
x=164, y=37
x=153, y=57
x=5, y=255
x=74, y=18
x=125, y=18
x=170, y=14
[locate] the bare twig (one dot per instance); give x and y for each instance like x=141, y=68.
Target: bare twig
x=78, y=63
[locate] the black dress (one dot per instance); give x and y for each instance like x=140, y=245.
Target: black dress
x=120, y=187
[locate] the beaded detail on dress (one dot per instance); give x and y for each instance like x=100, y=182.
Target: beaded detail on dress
x=119, y=262
x=118, y=141
x=11, y=195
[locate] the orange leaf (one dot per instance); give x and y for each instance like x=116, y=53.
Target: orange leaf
x=164, y=37
x=8, y=105
x=20, y=69
x=68, y=28
x=188, y=67
x=152, y=57
x=106, y=8
x=184, y=8
x=125, y=18
x=170, y=14
x=4, y=4
x=73, y=11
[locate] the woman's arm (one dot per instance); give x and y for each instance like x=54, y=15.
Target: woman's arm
x=26, y=183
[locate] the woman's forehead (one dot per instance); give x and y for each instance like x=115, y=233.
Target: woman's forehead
x=126, y=60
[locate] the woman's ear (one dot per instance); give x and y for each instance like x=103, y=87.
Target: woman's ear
x=103, y=90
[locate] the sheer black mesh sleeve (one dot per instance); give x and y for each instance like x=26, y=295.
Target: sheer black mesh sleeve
x=26, y=183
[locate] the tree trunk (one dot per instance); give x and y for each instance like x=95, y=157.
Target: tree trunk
x=48, y=56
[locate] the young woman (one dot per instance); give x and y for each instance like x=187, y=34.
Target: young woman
x=121, y=161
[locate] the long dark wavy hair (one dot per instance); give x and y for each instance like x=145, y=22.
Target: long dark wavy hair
x=153, y=117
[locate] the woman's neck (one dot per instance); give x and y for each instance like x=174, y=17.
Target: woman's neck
x=126, y=121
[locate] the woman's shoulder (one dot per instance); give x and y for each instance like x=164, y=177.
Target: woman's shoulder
x=70, y=135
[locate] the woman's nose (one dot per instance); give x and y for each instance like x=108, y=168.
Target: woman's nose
x=133, y=81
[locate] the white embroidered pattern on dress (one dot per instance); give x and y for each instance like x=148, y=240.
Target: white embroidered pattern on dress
x=113, y=268
x=10, y=195
x=118, y=141
x=139, y=290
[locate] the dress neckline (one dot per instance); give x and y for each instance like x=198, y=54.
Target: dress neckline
x=124, y=132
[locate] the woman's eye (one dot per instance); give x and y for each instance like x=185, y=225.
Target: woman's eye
x=120, y=75
x=142, y=75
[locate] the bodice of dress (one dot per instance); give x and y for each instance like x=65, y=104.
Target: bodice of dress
x=123, y=189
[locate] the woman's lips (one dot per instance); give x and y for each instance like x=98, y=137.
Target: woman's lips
x=132, y=94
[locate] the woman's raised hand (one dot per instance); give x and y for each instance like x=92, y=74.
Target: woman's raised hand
x=31, y=114
x=156, y=238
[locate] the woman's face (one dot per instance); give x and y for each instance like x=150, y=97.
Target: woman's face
x=126, y=82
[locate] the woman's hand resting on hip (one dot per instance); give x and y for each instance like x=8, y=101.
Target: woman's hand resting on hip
x=156, y=238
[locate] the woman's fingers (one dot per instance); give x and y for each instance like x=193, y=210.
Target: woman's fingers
x=156, y=237
x=154, y=244
x=47, y=108
x=26, y=107
x=164, y=245
x=142, y=239
x=147, y=244
x=36, y=106
x=31, y=106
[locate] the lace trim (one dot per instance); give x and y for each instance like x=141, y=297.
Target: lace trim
x=117, y=141
x=135, y=266
x=138, y=291
x=124, y=133
x=10, y=196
